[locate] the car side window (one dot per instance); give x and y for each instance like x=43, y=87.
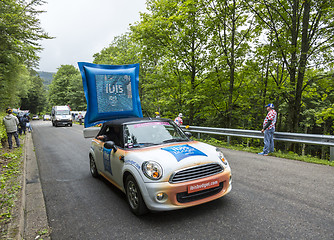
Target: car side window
x=113, y=133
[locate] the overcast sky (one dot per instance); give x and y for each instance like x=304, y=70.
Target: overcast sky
x=82, y=28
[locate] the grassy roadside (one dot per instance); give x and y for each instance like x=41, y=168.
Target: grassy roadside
x=280, y=154
x=11, y=169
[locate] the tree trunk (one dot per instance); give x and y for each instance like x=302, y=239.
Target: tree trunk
x=232, y=71
x=293, y=119
x=302, y=63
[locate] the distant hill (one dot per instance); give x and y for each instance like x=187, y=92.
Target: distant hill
x=47, y=77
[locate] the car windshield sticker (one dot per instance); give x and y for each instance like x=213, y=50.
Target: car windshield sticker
x=111, y=92
x=106, y=160
x=150, y=124
x=183, y=151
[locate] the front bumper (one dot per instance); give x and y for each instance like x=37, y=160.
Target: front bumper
x=63, y=122
x=176, y=194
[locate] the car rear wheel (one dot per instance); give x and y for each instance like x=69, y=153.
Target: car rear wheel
x=135, y=199
x=93, y=169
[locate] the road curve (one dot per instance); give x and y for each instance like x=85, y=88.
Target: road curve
x=272, y=198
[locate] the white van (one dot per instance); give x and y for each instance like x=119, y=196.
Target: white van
x=61, y=116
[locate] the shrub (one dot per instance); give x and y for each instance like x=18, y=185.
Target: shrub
x=3, y=134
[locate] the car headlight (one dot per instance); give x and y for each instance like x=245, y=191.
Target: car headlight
x=221, y=157
x=152, y=170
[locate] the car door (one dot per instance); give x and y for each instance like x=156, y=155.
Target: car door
x=97, y=146
x=116, y=158
x=99, y=150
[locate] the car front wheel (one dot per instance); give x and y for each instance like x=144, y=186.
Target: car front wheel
x=135, y=199
x=93, y=169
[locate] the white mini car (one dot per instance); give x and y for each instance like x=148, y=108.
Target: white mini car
x=157, y=166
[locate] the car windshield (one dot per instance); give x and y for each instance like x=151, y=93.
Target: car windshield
x=152, y=133
x=62, y=112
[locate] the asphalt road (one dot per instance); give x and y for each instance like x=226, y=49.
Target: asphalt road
x=272, y=198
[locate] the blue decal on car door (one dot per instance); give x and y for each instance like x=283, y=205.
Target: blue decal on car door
x=106, y=160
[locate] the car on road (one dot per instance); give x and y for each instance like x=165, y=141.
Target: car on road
x=35, y=117
x=61, y=116
x=157, y=165
x=46, y=117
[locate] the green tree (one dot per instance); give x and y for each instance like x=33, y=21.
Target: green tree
x=66, y=88
x=20, y=33
x=174, y=39
x=232, y=30
x=302, y=33
x=122, y=50
x=35, y=99
x=76, y=93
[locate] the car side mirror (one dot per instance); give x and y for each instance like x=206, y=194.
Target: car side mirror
x=188, y=134
x=110, y=145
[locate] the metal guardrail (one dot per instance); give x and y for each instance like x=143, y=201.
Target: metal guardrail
x=313, y=139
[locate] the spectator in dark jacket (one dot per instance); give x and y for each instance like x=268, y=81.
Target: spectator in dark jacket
x=23, y=123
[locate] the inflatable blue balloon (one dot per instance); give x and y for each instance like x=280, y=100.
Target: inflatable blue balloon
x=111, y=92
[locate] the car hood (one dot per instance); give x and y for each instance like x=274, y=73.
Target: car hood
x=173, y=157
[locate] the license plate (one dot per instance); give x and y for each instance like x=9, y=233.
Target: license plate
x=203, y=185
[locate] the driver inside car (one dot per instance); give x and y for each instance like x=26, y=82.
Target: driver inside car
x=110, y=135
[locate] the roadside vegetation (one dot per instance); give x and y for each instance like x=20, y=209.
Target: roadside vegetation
x=11, y=166
x=220, y=62
x=281, y=154
x=20, y=35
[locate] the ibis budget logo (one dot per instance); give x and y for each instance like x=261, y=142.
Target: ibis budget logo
x=183, y=151
x=111, y=91
x=114, y=93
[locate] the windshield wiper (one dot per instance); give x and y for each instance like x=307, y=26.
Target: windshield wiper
x=174, y=140
x=148, y=144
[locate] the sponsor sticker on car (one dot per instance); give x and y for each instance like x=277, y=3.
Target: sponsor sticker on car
x=203, y=185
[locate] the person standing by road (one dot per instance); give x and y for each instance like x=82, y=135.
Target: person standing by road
x=80, y=117
x=28, y=125
x=269, y=129
x=11, y=122
x=179, y=120
x=23, y=123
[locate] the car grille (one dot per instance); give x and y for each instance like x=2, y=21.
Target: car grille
x=185, y=197
x=197, y=172
x=64, y=120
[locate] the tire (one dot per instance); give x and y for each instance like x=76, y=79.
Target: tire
x=93, y=169
x=134, y=197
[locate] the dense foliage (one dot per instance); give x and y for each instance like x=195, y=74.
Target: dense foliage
x=20, y=33
x=66, y=89
x=220, y=61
